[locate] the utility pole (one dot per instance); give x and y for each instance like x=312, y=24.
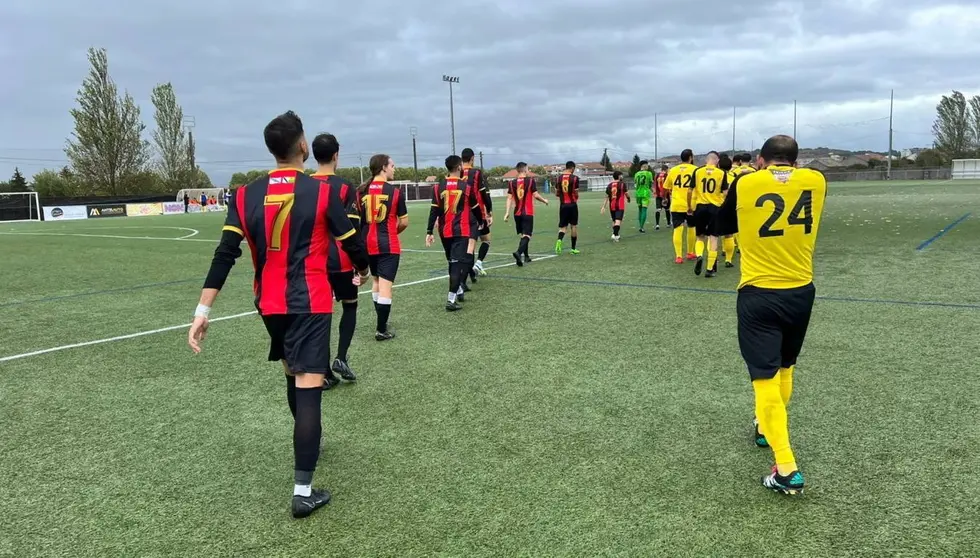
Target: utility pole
x=415, y=156
x=481, y=160
x=794, y=121
x=452, y=118
x=733, y=130
x=360, y=166
x=655, y=138
x=891, y=135
x=189, y=123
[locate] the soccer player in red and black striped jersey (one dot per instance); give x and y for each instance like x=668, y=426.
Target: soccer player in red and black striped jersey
x=521, y=194
x=456, y=206
x=662, y=196
x=384, y=216
x=567, y=192
x=326, y=150
x=616, y=198
x=289, y=221
x=474, y=177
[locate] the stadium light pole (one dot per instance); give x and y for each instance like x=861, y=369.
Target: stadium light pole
x=188, y=124
x=655, y=138
x=794, y=121
x=452, y=118
x=415, y=157
x=891, y=135
x=733, y=130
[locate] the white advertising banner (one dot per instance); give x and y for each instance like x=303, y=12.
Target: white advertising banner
x=65, y=212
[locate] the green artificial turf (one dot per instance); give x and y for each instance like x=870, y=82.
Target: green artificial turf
x=584, y=405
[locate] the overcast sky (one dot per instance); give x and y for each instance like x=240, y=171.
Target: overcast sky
x=540, y=80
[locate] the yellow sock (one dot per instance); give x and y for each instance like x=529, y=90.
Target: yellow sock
x=692, y=237
x=679, y=242
x=774, y=423
x=699, y=247
x=786, y=384
x=712, y=258
x=728, y=244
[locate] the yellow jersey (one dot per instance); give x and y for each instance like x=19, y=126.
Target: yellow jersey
x=777, y=211
x=710, y=184
x=679, y=179
x=739, y=170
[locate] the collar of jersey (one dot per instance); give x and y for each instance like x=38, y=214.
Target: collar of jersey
x=323, y=174
x=286, y=169
x=780, y=167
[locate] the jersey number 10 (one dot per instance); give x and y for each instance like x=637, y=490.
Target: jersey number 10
x=375, y=209
x=801, y=214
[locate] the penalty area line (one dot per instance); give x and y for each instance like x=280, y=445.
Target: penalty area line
x=220, y=319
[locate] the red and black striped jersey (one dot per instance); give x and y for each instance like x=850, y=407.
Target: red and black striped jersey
x=474, y=177
x=339, y=261
x=522, y=190
x=455, y=203
x=616, y=194
x=380, y=206
x=659, y=184
x=289, y=221
x=567, y=189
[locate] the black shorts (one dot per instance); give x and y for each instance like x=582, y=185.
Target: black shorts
x=659, y=203
x=616, y=215
x=384, y=266
x=678, y=219
x=302, y=340
x=455, y=247
x=342, y=283
x=524, y=224
x=484, y=229
x=772, y=324
x=568, y=215
x=704, y=220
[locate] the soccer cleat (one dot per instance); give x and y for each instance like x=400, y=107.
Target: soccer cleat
x=575, y=251
x=710, y=273
x=453, y=307
x=473, y=276
x=466, y=288
x=460, y=297
x=643, y=230
x=699, y=266
x=517, y=257
x=478, y=266
x=527, y=259
x=790, y=485
x=330, y=381
x=760, y=439
x=678, y=260
x=657, y=228
x=343, y=369
x=729, y=264
x=303, y=506
x=558, y=247
x=692, y=256
x=384, y=335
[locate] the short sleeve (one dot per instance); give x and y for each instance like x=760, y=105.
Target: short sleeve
x=402, y=207
x=233, y=222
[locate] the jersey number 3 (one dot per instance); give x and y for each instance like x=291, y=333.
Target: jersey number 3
x=284, y=205
x=801, y=214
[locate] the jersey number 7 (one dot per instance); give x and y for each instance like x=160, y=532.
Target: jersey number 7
x=377, y=211
x=801, y=214
x=284, y=205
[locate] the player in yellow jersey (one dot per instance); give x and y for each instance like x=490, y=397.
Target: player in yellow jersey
x=707, y=195
x=679, y=181
x=742, y=165
x=776, y=212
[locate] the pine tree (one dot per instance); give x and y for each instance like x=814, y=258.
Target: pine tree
x=635, y=165
x=17, y=182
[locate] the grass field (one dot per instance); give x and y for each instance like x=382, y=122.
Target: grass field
x=579, y=406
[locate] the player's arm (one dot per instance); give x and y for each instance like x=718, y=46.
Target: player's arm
x=344, y=231
x=510, y=201
x=690, y=191
x=606, y=201
x=434, y=211
x=626, y=192
x=402, y=213
x=727, y=218
x=484, y=191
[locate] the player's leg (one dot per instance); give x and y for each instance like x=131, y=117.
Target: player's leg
x=528, y=233
x=484, y=249
x=658, y=206
x=457, y=273
x=521, y=243
x=701, y=236
x=563, y=220
x=798, y=309
x=573, y=222
x=307, y=351
x=728, y=245
x=469, y=263
x=617, y=224
x=677, y=222
x=345, y=292
x=373, y=269
x=712, y=256
x=387, y=270
x=642, y=204
x=691, y=237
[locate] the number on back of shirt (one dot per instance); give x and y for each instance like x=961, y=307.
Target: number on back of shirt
x=450, y=199
x=375, y=209
x=801, y=214
x=686, y=181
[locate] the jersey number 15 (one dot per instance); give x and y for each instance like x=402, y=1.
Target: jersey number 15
x=801, y=214
x=375, y=208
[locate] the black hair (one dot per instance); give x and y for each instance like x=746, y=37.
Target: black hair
x=520, y=165
x=737, y=158
x=570, y=165
x=467, y=155
x=725, y=162
x=687, y=156
x=663, y=166
x=746, y=158
x=715, y=153
x=325, y=147
x=375, y=166
x=453, y=162
x=282, y=135
x=617, y=175
x=780, y=149
x=644, y=162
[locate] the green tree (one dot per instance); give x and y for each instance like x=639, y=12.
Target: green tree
x=930, y=158
x=170, y=137
x=605, y=162
x=975, y=123
x=635, y=165
x=952, y=130
x=51, y=184
x=497, y=171
x=107, y=144
x=17, y=182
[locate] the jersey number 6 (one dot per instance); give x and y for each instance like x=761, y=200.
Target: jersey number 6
x=284, y=205
x=801, y=214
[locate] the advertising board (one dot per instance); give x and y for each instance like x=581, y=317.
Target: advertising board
x=64, y=212
x=107, y=210
x=137, y=209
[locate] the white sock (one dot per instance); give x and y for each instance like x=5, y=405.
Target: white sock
x=452, y=297
x=302, y=490
x=374, y=296
x=384, y=300
x=460, y=291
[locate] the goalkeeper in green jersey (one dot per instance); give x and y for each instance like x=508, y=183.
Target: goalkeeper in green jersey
x=643, y=182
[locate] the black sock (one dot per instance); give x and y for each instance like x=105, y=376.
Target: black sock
x=484, y=250
x=306, y=432
x=522, y=248
x=291, y=394
x=574, y=241
x=616, y=230
x=348, y=322
x=657, y=218
x=561, y=235
x=455, y=276
x=468, y=262
x=384, y=310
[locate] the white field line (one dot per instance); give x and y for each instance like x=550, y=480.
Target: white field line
x=222, y=318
